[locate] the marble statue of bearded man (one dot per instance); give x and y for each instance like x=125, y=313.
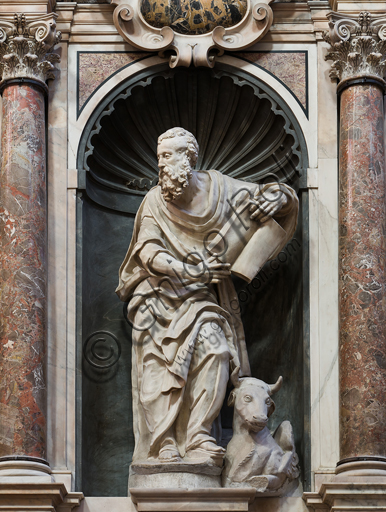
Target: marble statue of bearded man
x=187, y=332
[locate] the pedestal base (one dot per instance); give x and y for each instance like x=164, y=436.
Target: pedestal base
x=24, y=471
x=183, y=475
x=38, y=497
x=192, y=500
x=29, y=486
x=357, y=486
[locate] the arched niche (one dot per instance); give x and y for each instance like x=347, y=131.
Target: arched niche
x=245, y=130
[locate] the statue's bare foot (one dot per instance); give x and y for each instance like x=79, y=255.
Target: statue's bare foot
x=212, y=447
x=207, y=452
x=169, y=453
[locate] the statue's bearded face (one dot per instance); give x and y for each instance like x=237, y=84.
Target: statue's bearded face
x=174, y=167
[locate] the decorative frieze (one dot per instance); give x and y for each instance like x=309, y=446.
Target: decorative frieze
x=358, y=46
x=26, y=47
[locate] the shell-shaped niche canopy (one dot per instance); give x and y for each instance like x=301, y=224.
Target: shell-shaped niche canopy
x=242, y=126
x=193, y=16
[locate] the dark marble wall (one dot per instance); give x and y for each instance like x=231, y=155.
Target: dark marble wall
x=272, y=313
x=106, y=413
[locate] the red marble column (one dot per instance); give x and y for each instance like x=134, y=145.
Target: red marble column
x=362, y=275
x=23, y=272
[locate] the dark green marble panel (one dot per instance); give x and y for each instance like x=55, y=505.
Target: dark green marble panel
x=107, y=432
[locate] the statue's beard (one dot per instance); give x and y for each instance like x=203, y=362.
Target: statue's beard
x=173, y=180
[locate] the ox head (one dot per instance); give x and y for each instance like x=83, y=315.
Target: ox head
x=252, y=400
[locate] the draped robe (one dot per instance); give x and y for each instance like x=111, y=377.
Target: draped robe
x=168, y=313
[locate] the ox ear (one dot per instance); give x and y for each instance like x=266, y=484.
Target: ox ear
x=271, y=409
x=235, y=379
x=274, y=388
x=231, y=399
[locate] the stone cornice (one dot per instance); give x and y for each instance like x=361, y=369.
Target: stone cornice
x=65, y=11
x=352, y=7
x=357, y=46
x=93, y=23
x=26, y=47
x=27, y=6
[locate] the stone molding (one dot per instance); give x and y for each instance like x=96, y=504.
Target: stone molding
x=352, y=7
x=8, y=7
x=201, y=50
x=358, y=485
x=93, y=23
x=348, y=496
x=357, y=46
x=192, y=500
x=65, y=19
x=42, y=497
x=26, y=47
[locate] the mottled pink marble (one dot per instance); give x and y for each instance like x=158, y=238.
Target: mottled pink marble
x=95, y=68
x=23, y=272
x=362, y=272
x=289, y=67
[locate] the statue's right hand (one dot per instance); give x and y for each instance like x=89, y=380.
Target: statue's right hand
x=215, y=270
x=207, y=271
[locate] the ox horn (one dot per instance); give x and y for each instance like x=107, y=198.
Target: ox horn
x=235, y=379
x=274, y=388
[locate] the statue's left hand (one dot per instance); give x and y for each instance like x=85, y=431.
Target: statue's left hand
x=267, y=203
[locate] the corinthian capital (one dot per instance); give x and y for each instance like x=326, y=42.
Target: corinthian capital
x=26, y=47
x=358, y=46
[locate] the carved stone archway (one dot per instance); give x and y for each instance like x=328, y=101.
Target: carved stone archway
x=244, y=130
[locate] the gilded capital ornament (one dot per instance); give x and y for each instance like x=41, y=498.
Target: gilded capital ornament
x=358, y=46
x=26, y=47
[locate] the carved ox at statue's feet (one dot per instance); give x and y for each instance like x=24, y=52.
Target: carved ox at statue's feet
x=254, y=457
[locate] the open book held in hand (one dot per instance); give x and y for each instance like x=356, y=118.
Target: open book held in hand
x=246, y=244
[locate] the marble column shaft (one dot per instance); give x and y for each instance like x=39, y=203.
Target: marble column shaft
x=23, y=272
x=362, y=274
x=26, y=62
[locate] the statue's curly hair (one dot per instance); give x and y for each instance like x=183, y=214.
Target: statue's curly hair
x=191, y=142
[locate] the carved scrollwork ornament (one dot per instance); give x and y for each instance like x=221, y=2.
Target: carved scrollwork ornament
x=188, y=48
x=26, y=48
x=357, y=46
